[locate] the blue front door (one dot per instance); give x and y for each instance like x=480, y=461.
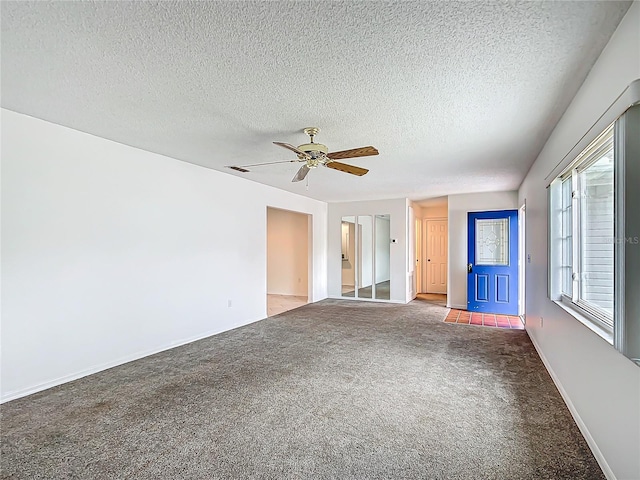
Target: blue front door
x=492, y=278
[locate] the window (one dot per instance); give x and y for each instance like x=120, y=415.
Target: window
x=595, y=200
x=594, y=228
x=584, y=196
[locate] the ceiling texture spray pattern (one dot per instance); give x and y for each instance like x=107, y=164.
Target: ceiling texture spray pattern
x=457, y=96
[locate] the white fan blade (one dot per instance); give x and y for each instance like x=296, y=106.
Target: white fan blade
x=301, y=174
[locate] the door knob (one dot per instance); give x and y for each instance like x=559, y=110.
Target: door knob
x=470, y=268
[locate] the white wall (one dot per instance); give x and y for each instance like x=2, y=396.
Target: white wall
x=287, y=252
x=601, y=386
x=459, y=207
x=110, y=253
x=398, y=227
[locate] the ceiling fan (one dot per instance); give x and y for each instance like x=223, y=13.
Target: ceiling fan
x=316, y=154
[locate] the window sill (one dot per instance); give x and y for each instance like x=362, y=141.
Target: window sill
x=583, y=318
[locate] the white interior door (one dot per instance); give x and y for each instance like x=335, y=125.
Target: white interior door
x=436, y=264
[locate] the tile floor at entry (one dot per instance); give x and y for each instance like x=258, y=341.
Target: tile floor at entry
x=484, y=319
x=283, y=303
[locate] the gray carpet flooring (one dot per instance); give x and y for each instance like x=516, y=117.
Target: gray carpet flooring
x=335, y=389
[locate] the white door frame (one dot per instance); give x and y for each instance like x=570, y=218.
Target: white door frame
x=411, y=254
x=420, y=285
x=522, y=259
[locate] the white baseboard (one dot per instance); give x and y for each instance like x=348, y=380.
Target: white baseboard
x=457, y=306
x=606, y=469
x=13, y=395
x=289, y=294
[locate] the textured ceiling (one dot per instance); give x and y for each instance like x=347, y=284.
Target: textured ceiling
x=457, y=97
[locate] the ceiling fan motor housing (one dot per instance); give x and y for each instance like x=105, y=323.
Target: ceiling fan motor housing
x=312, y=148
x=317, y=151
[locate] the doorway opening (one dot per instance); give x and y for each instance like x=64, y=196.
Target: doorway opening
x=289, y=279
x=432, y=239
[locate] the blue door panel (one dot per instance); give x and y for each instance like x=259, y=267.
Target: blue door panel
x=502, y=288
x=482, y=288
x=493, y=288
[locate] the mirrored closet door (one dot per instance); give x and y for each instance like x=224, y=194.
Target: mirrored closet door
x=366, y=252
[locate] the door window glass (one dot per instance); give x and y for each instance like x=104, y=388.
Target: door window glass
x=492, y=241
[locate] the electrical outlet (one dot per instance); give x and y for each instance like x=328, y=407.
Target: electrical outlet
x=541, y=322
x=528, y=258
x=229, y=303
